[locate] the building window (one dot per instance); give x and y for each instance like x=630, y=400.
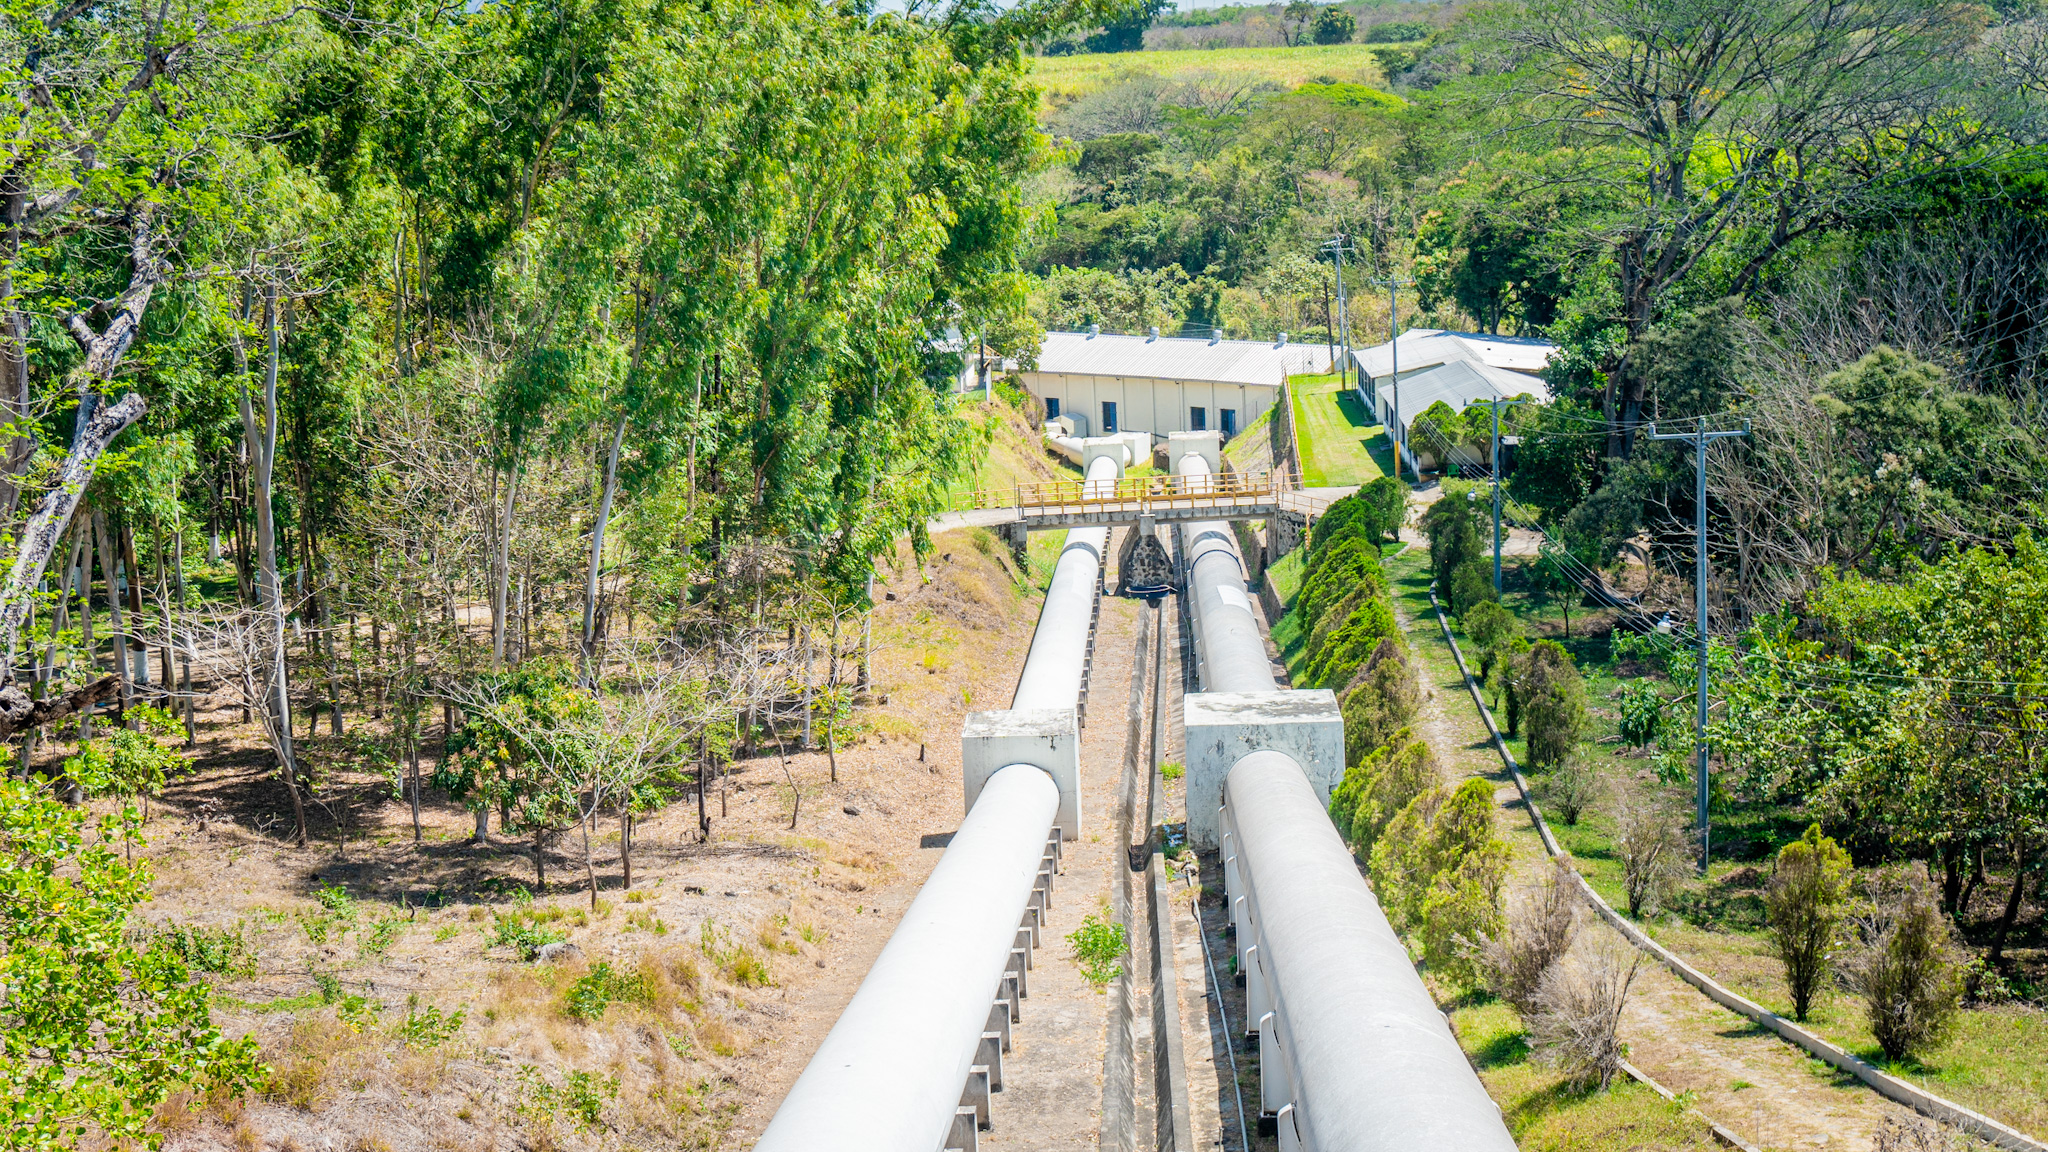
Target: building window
x=1052, y=408
x=1109, y=417
x=1228, y=419
x=1198, y=419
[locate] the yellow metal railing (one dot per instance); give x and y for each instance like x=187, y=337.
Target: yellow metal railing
x=1224, y=488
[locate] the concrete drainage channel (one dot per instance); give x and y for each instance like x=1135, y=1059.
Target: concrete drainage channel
x=1891, y=1087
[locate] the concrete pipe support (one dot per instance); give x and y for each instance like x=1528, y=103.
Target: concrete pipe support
x=888, y=1077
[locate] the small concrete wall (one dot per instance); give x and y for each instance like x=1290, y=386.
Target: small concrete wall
x=1225, y=727
x=1207, y=445
x=1046, y=738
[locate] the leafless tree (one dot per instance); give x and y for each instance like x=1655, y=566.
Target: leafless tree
x=1578, y=1011
x=1652, y=848
x=1542, y=921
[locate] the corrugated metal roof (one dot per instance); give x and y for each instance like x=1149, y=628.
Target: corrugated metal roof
x=1460, y=383
x=1428, y=347
x=1179, y=358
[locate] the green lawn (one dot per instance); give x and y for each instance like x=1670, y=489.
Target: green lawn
x=1063, y=77
x=1339, y=443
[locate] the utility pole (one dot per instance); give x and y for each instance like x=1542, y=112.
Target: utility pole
x=1498, y=404
x=1700, y=438
x=1395, y=433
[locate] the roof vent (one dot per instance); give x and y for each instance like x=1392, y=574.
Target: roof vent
x=1282, y=342
x=1094, y=330
x=1215, y=335
x=1154, y=334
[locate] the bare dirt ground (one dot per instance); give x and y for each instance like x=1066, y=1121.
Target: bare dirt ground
x=737, y=953
x=1747, y=1080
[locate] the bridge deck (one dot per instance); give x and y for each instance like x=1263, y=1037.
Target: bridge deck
x=1075, y=504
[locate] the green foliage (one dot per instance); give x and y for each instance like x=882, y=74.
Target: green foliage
x=1381, y=699
x=428, y=1027
x=1396, y=32
x=126, y=762
x=222, y=951
x=1805, y=904
x=581, y=1097
x=1471, y=585
x=525, y=937
x=1455, y=539
x=94, y=1032
x=1370, y=624
x=1334, y=26
x=1553, y=702
x=1432, y=836
x=1099, y=946
x=1379, y=786
x=597, y=989
x=1903, y=964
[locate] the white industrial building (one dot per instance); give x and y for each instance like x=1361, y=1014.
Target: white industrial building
x=1156, y=384
x=1407, y=375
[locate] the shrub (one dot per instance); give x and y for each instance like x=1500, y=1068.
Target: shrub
x=1334, y=618
x=1341, y=518
x=1535, y=934
x=1345, y=568
x=524, y=936
x=1642, y=713
x=1396, y=32
x=1375, y=790
x=428, y=1027
x=1489, y=627
x=1904, y=964
x=1553, y=701
x=1571, y=788
x=1099, y=946
x=1471, y=585
x=1381, y=699
x=1805, y=905
x=599, y=988
x=1461, y=906
x=219, y=950
x=1433, y=834
x=1349, y=646
x=1578, y=1011
x=1387, y=498
x=1651, y=847
x=1452, y=525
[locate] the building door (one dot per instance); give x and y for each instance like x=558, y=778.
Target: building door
x=1109, y=417
x=1228, y=417
x=1198, y=419
x=1052, y=408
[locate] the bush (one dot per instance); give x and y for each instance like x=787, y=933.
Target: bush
x=1396, y=32
x=1552, y=697
x=1432, y=835
x=1099, y=946
x=1452, y=525
x=1489, y=627
x=1380, y=700
x=1345, y=567
x=1341, y=518
x=1463, y=905
x=1377, y=788
x=1471, y=584
x=1642, y=713
x=1349, y=646
x=1904, y=964
x=525, y=937
x=1535, y=934
x=1652, y=848
x=1805, y=905
x=1578, y=1012
x=1387, y=500
x=1571, y=788
x=599, y=988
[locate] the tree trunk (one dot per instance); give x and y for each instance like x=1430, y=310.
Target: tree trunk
x=589, y=865
x=626, y=845
x=595, y=570
x=2012, y=904
x=137, y=652
x=1976, y=877
x=540, y=867
x=109, y=567
x=412, y=749
x=261, y=443
x=501, y=576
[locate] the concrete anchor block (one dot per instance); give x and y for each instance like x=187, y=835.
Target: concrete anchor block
x=1046, y=738
x=1017, y=965
x=1275, y=1092
x=976, y=1097
x=1012, y=995
x=1045, y=884
x=965, y=1135
x=1030, y=924
x=990, y=1056
x=1225, y=727
x=1290, y=1136
x=1025, y=942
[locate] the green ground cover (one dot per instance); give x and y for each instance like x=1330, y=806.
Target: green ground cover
x=1543, y=1112
x=1991, y=1062
x=1339, y=443
x=1062, y=78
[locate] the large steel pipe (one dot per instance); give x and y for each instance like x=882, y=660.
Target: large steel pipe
x=1366, y=1059
x=888, y=1076
x=1059, y=647
x=1230, y=652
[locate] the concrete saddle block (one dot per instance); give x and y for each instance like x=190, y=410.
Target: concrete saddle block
x=1046, y=738
x=1225, y=727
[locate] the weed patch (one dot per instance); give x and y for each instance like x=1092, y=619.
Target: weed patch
x=1099, y=946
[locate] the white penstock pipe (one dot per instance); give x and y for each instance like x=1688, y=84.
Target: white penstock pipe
x=1369, y=1059
x=888, y=1076
x=1052, y=672
x=1230, y=650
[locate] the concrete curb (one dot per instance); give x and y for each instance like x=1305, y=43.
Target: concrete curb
x=1889, y=1086
x=1719, y=1133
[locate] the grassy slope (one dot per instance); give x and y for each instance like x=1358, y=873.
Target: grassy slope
x=1339, y=442
x=1063, y=77
x=1992, y=1062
